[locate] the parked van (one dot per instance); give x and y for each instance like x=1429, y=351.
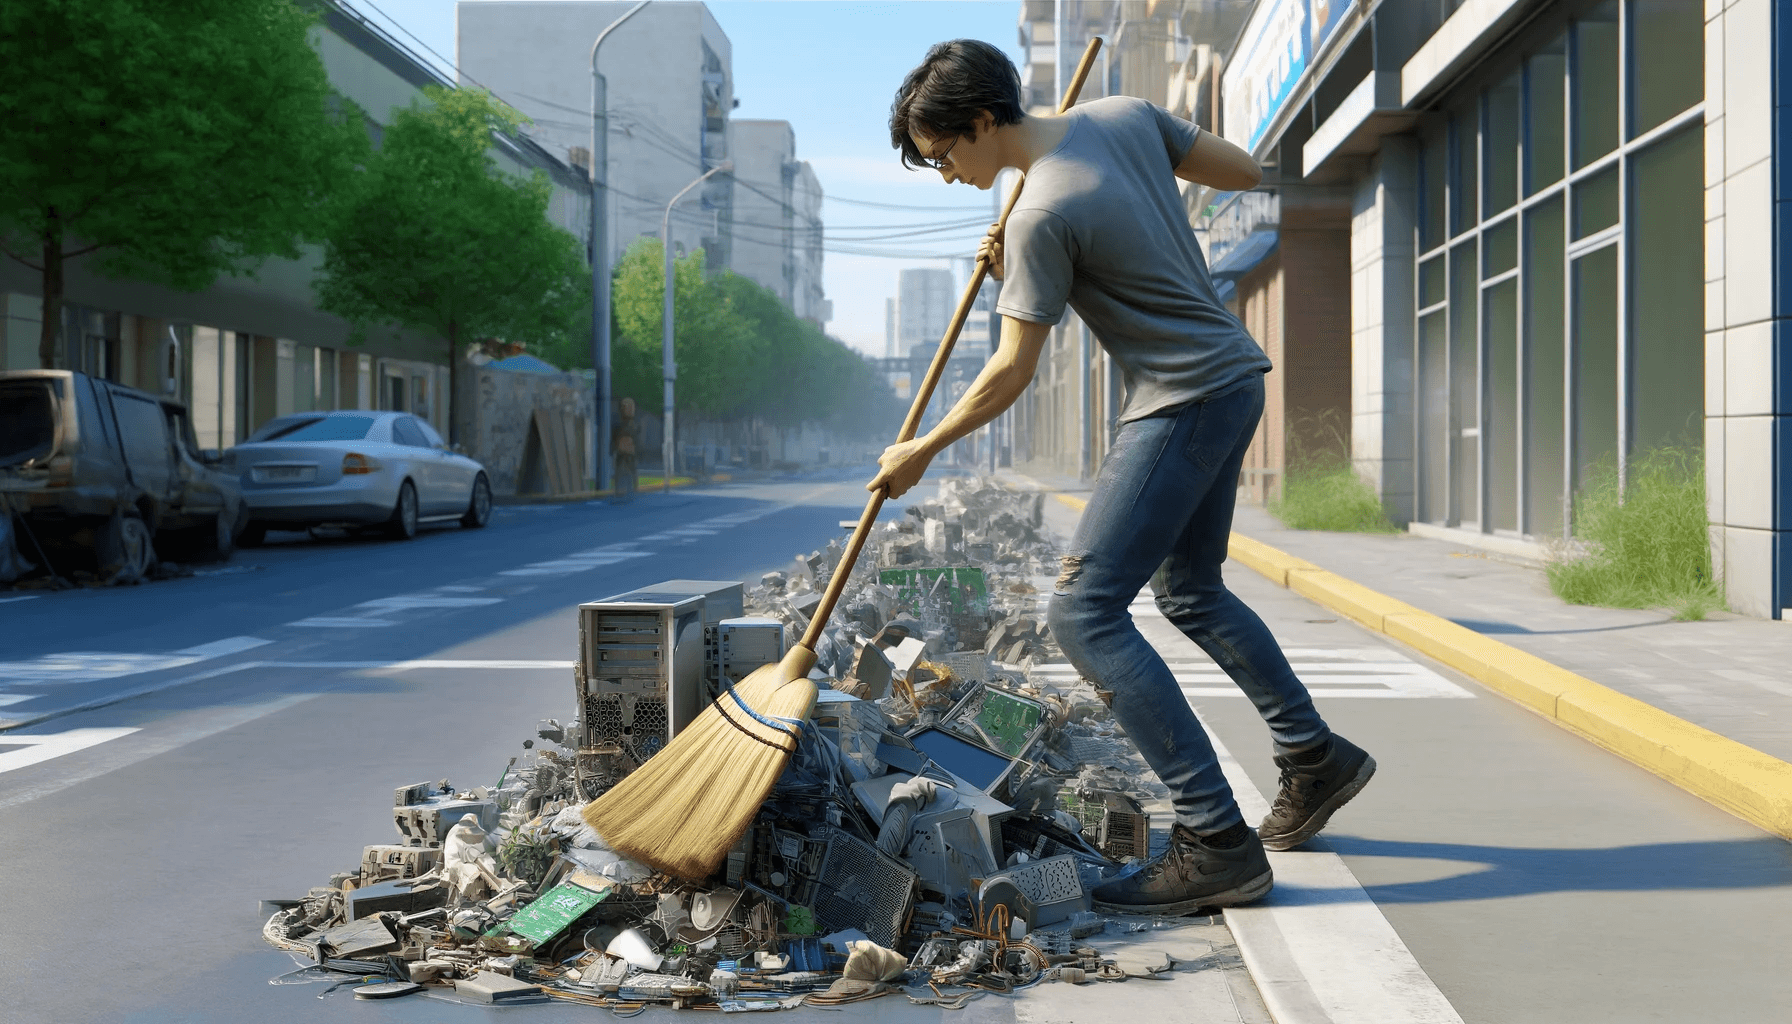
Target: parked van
x=102, y=476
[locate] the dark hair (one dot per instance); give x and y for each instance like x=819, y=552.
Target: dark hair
x=943, y=96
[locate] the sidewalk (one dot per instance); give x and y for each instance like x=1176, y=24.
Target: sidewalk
x=1730, y=675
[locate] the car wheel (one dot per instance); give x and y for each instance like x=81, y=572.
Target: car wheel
x=479, y=506
x=403, y=524
x=254, y=535
x=218, y=542
x=127, y=550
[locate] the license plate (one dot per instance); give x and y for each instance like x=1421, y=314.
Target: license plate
x=284, y=474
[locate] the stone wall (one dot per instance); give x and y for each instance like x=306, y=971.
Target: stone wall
x=497, y=409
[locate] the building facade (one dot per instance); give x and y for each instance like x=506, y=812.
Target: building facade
x=668, y=74
x=1519, y=245
x=248, y=349
x=777, y=217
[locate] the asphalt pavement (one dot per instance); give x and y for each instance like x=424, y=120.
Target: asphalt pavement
x=251, y=723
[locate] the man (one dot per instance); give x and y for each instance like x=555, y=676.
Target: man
x=622, y=448
x=1101, y=226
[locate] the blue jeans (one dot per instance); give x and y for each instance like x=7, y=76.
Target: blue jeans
x=1162, y=512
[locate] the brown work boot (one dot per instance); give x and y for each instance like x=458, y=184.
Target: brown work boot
x=1192, y=874
x=1310, y=792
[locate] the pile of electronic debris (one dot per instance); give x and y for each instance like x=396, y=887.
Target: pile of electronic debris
x=941, y=825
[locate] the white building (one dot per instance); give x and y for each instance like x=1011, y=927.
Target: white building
x=668, y=73
x=777, y=217
x=925, y=299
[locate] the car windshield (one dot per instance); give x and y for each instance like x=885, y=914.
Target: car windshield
x=27, y=421
x=315, y=428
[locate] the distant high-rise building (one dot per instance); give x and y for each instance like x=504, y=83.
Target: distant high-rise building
x=889, y=328
x=924, y=305
x=777, y=210
x=669, y=75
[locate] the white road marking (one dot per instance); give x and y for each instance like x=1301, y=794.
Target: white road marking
x=341, y=622
x=88, y=667
x=23, y=751
x=1346, y=677
x=580, y=562
x=1318, y=946
x=406, y=602
x=457, y=589
x=152, y=743
x=1356, y=672
x=27, y=597
x=7, y=699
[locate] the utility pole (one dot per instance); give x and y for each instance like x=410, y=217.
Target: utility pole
x=668, y=362
x=600, y=254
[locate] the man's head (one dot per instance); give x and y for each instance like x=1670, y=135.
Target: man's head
x=960, y=94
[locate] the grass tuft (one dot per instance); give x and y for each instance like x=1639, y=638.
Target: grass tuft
x=1646, y=548
x=1324, y=492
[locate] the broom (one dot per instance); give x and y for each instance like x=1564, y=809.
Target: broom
x=685, y=808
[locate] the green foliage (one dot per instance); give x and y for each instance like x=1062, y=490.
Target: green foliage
x=178, y=140
x=434, y=236
x=1321, y=489
x=1649, y=545
x=1325, y=493
x=741, y=352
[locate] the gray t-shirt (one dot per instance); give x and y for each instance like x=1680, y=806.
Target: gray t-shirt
x=1101, y=225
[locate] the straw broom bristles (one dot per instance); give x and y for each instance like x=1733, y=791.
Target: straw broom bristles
x=682, y=811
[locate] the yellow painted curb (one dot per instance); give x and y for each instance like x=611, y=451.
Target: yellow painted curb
x=1748, y=783
x=1265, y=559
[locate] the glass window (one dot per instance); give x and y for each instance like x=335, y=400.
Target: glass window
x=1465, y=410
x=1667, y=58
x=27, y=420
x=1501, y=245
x=1596, y=83
x=1596, y=203
x=1543, y=368
x=405, y=431
x=1434, y=419
x=314, y=428
x=430, y=435
x=1431, y=282
x=1595, y=409
x=1544, y=128
x=1433, y=160
x=1464, y=169
x=1501, y=303
x=1667, y=339
x=1501, y=149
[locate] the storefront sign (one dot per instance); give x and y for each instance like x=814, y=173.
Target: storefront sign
x=1269, y=60
x=1242, y=216
x=1273, y=52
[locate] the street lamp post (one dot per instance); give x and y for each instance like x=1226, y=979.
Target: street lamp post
x=600, y=253
x=668, y=363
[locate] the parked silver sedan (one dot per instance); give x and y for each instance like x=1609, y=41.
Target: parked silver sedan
x=355, y=468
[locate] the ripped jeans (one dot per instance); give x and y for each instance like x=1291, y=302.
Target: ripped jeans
x=1162, y=512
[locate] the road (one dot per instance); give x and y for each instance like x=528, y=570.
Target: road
x=1523, y=875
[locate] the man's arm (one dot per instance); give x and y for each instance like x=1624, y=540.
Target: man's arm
x=1004, y=378
x=1215, y=162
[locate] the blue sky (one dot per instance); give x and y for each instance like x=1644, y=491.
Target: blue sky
x=830, y=68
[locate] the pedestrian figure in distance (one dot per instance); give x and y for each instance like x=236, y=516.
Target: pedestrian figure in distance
x=1101, y=227
x=622, y=450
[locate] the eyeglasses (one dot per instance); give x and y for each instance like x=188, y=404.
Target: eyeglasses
x=940, y=162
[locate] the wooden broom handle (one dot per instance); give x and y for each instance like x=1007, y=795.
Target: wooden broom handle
x=924, y=395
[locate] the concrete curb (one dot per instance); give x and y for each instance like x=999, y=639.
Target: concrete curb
x=578, y=496
x=1752, y=785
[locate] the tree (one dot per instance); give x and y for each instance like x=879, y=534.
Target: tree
x=741, y=352
x=178, y=141
x=712, y=342
x=436, y=237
